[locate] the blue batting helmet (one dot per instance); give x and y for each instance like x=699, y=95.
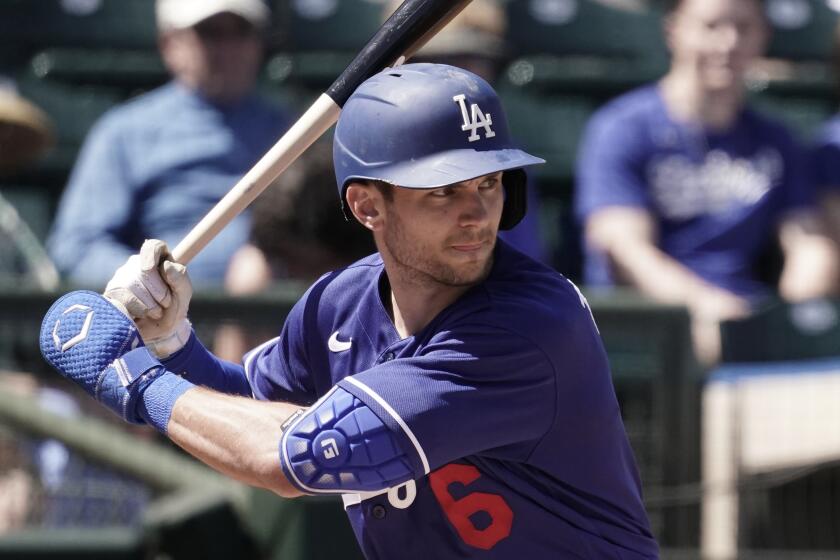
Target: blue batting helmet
x=425, y=126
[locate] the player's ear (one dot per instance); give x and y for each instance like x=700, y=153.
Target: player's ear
x=365, y=202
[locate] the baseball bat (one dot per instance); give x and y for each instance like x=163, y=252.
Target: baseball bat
x=408, y=29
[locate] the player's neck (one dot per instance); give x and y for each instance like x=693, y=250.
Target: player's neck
x=687, y=101
x=414, y=305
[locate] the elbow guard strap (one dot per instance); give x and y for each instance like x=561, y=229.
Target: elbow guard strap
x=339, y=445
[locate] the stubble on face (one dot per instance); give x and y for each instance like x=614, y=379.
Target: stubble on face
x=419, y=265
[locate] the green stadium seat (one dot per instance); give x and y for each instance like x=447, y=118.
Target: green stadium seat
x=802, y=29
x=34, y=205
x=326, y=25
x=73, y=111
x=312, y=41
x=584, y=46
x=127, y=24
x=583, y=27
x=783, y=332
x=111, y=42
x=129, y=70
x=548, y=126
x=803, y=114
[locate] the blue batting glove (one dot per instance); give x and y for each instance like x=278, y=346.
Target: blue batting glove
x=94, y=344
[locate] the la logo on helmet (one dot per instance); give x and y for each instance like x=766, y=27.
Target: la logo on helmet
x=474, y=119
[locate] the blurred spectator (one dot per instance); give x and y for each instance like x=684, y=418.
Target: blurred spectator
x=17, y=483
x=298, y=234
x=681, y=187
x=25, y=131
x=825, y=157
x=475, y=40
x=25, y=134
x=155, y=166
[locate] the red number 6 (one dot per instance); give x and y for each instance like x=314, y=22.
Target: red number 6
x=459, y=511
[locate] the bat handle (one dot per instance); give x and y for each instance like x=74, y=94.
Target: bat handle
x=314, y=123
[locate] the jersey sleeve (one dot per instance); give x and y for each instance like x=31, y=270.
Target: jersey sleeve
x=824, y=157
x=609, y=169
x=278, y=369
x=799, y=188
x=197, y=365
x=477, y=391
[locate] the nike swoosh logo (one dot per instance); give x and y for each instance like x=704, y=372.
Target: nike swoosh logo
x=336, y=345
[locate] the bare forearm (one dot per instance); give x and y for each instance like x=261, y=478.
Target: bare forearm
x=237, y=436
x=811, y=267
x=654, y=273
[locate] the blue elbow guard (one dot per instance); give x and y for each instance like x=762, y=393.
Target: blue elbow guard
x=340, y=445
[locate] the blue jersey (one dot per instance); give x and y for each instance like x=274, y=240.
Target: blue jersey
x=504, y=404
x=825, y=156
x=716, y=196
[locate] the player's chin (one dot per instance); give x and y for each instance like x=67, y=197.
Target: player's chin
x=468, y=270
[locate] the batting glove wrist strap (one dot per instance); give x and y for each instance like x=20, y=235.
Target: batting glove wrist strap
x=159, y=398
x=165, y=346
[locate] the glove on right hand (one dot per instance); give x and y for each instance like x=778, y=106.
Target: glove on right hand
x=156, y=296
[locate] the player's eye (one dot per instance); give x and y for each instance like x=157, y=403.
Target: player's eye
x=442, y=192
x=489, y=183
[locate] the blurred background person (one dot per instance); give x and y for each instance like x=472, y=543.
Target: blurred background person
x=297, y=234
x=155, y=166
x=825, y=158
x=25, y=134
x=681, y=187
x=475, y=40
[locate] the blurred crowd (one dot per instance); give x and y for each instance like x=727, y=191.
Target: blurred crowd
x=683, y=191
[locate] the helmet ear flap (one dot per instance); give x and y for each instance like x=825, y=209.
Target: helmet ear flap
x=516, y=198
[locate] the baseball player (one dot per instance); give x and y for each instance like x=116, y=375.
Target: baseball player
x=454, y=391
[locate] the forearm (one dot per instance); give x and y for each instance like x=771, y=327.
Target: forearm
x=200, y=367
x=810, y=271
x=237, y=436
x=655, y=273
x=811, y=258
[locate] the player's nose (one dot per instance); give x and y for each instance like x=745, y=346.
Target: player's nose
x=473, y=210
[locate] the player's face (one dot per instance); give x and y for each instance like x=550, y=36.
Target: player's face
x=220, y=56
x=716, y=40
x=445, y=235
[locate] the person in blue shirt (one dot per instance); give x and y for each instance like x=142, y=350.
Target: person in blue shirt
x=453, y=390
x=824, y=160
x=156, y=165
x=680, y=185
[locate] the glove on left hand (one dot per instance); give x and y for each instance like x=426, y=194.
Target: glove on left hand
x=94, y=344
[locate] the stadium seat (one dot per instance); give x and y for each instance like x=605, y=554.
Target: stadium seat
x=130, y=70
x=584, y=46
x=326, y=25
x=549, y=126
x=802, y=29
x=803, y=114
x=127, y=24
x=33, y=204
x=312, y=41
x=781, y=332
x=73, y=111
x=583, y=27
x=110, y=42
